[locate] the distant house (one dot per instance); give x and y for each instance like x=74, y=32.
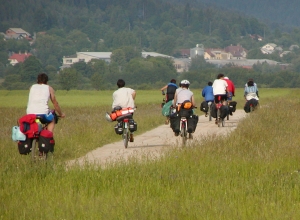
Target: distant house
x=18, y=58
x=256, y=37
x=268, y=48
x=197, y=51
x=182, y=64
x=215, y=54
x=185, y=53
x=236, y=52
x=17, y=33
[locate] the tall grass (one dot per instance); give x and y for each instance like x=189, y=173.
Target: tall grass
x=251, y=174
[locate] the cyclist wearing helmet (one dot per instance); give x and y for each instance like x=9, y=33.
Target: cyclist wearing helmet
x=183, y=93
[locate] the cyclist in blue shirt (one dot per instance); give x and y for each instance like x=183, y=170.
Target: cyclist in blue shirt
x=208, y=95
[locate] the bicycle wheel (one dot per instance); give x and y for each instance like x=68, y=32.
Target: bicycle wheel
x=183, y=134
x=218, y=117
x=209, y=115
x=125, y=134
x=35, y=153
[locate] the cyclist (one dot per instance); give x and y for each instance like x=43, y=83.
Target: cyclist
x=183, y=94
x=208, y=95
x=39, y=96
x=251, y=90
x=220, y=89
x=171, y=88
x=124, y=97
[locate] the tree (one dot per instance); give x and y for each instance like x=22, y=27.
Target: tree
x=97, y=81
x=30, y=69
x=118, y=56
x=68, y=79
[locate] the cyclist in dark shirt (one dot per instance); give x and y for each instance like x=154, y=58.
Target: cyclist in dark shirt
x=171, y=89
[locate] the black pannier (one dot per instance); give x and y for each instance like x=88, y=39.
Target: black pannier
x=252, y=102
x=185, y=112
x=204, y=106
x=192, y=122
x=132, y=125
x=232, y=106
x=213, y=110
x=224, y=111
x=119, y=128
x=175, y=122
x=46, y=141
x=25, y=146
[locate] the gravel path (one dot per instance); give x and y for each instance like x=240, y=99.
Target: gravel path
x=156, y=140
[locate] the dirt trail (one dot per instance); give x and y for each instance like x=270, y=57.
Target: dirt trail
x=153, y=141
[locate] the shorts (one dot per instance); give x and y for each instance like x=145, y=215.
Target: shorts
x=222, y=97
x=230, y=96
x=46, y=118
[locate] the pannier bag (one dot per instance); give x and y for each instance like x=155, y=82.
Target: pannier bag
x=232, y=106
x=119, y=128
x=46, y=141
x=224, y=111
x=117, y=113
x=252, y=102
x=204, y=106
x=132, y=125
x=25, y=146
x=192, y=122
x=175, y=122
x=213, y=110
x=185, y=112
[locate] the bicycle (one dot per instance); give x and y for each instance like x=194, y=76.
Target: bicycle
x=35, y=146
x=183, y=127
x=125, y=127
x=220, y=121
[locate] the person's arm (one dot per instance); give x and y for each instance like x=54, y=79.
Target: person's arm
x=133, y=94
x=203, y=92
x=55, y=103
x=193, y=101
x=175, y=100
x=163, y=88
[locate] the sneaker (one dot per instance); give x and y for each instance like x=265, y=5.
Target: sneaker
x=216, y=122
x=131, y=139
x=206, y=114
x=176, y=133
x=230, y=113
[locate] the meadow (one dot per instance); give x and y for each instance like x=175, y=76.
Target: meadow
x=253, y=173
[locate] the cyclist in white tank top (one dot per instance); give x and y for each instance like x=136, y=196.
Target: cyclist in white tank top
x=39, y=96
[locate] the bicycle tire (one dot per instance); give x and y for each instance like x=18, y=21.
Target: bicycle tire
x=125, y=134
x=218, y=117
x=35, y=151
x=209, y=114
x=183, y=135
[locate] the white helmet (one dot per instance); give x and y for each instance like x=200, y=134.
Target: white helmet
x=226, y=77
x=185, y=82
x=107, y=116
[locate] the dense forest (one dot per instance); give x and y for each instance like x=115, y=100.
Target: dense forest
x=126, y=27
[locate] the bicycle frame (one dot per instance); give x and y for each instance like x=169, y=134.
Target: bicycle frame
x=218, y=106
x=183, y=129
x=126, y=132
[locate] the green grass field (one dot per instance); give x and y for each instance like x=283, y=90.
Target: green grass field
x=251, y=174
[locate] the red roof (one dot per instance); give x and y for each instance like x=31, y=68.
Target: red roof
x=20, y=57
